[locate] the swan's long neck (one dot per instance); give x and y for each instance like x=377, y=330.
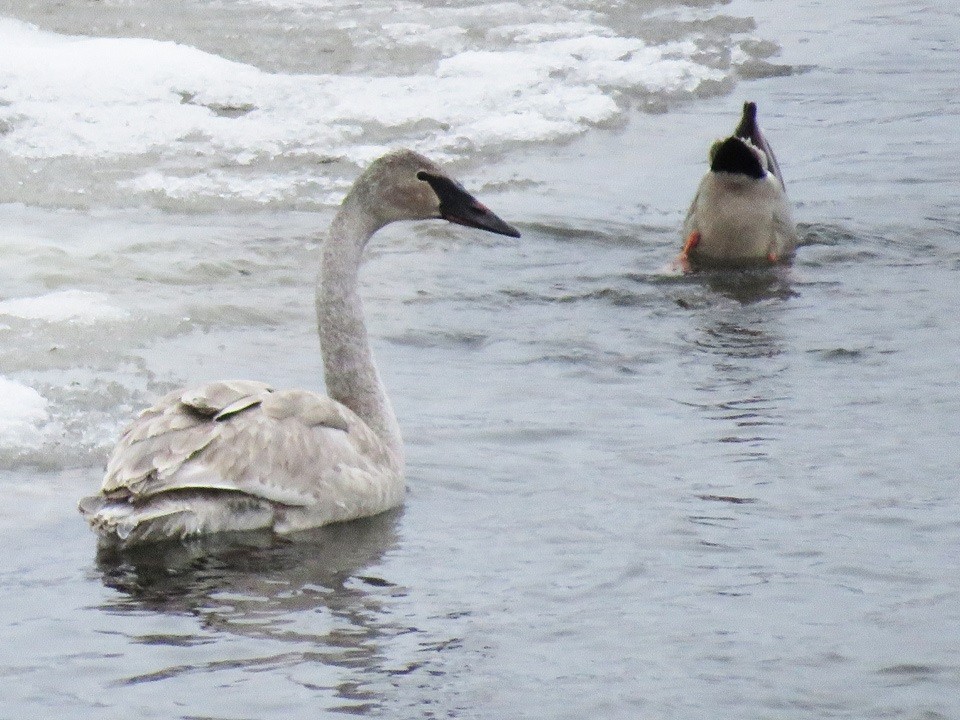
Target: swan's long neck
x=349, y=369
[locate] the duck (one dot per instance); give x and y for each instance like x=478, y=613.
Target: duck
x=740, y=215
x=239, y=455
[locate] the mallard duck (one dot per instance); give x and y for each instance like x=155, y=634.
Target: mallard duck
x=740, y=216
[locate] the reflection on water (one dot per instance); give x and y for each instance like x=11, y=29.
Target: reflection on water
x=311, y=594
x=736, y=339
x=741, y=345
x=744, y=287
x=174, y=577
x=751, y=286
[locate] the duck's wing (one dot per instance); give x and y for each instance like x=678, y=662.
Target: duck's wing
x=785, y=231
x=749, y=129
x=293, y=447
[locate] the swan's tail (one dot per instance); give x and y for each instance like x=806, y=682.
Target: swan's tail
x=174, y=516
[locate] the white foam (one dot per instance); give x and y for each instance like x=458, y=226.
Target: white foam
x=22, y=410
x=77, y=306
x=142, y=106
x=261, y=189
x=408, y=33
x=293, y=4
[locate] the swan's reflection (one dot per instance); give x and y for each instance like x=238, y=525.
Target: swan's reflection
x=176, y=576
x=308, y=602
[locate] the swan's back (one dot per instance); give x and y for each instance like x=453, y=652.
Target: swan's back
x=237, y=455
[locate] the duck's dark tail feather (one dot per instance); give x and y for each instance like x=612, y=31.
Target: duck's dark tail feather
x=749, y=129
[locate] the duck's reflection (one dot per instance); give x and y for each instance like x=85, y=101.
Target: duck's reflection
x=737, y=367
x=750, y=286
x=315, y=594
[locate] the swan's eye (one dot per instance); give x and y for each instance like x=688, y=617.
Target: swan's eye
x=422, y=176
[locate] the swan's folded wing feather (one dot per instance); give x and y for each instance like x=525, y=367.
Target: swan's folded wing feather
x=286, y=447
x=310, y=409
x=218, y=396
x=179, y=418
x=181, y=410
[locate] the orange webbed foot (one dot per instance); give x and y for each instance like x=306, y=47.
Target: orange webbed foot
x=683, y=259
x=693, y=239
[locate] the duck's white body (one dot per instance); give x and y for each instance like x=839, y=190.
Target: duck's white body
x=740, y=215
x=741, y=220
x=239, y=455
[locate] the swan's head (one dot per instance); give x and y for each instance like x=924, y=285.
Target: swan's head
x=405, y=185
x=738, y=156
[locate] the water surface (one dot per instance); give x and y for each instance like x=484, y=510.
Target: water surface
x=631, y=494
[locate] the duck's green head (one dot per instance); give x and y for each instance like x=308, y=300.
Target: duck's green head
x=738, y=156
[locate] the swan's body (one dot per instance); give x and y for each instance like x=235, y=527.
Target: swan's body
x=740, y=215
x=238, y=455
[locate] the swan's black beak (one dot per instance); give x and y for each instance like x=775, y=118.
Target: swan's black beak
x=460, y=207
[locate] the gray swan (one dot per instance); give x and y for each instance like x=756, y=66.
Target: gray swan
x=239, y=455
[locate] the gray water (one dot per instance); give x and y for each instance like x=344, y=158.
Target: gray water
x=631, y=494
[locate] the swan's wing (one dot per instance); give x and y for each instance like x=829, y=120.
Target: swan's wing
x=288, y=447
x=172, y=430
